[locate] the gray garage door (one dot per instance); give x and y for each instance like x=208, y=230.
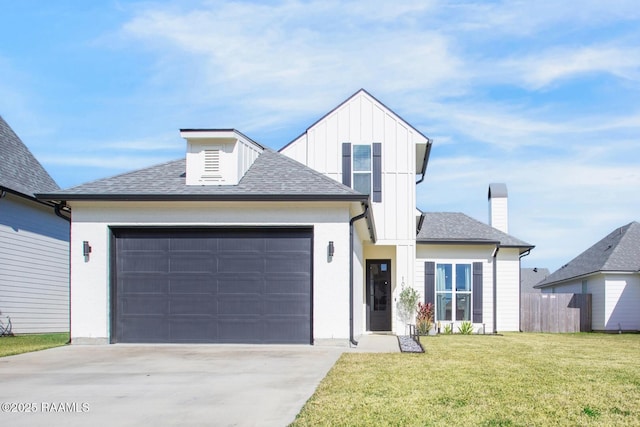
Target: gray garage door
x=212, y=286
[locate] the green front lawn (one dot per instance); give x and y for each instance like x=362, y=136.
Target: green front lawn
x=26, y=343
x=510, y=380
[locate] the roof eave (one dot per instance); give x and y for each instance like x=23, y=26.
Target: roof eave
x=26, y=196
x=583, y=275
x=456, y=242
x=202, y=197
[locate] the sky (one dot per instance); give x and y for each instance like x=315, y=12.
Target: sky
x=541, y=95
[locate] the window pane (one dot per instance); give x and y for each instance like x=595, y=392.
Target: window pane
x=362, y=182
x=443, y=306
x=463, y=277
x=463, y=306
x=362, y=158
x=443, y=277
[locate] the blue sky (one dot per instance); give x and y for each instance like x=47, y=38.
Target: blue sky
x=543, y=95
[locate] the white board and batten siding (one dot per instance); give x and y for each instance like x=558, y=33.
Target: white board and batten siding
x=34, y=266
x=363, y=120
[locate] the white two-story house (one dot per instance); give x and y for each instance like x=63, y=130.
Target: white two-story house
x=237, y=243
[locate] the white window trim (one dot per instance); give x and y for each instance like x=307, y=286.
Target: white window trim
x=453, y=263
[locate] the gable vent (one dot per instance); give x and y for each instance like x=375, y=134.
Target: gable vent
x=211, y=170
x=212, y=162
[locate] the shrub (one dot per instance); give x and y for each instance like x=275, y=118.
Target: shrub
x=466, y=328
x=407, y=304
x=424, y=318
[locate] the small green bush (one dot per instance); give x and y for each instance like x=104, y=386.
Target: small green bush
x=466, y=328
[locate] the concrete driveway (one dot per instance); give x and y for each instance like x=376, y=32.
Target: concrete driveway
x=133, y=385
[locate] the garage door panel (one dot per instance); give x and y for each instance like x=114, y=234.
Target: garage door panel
x=192, y=243
x=295, y=283
x=192, y=284
x=287, y=263
x=236, y=284
x=144, y=284
x=143, y=242
x=289, y=245
x=282, y=329
x=147, y=304
x=193, y=330
x=194, y=305
x=144, y=329
x=247, y=330
x=287, y=305
x=241, y=245
x=240, y=305
x=192, y=262
x=212, y=285
x=140, y=262
x=240, y=263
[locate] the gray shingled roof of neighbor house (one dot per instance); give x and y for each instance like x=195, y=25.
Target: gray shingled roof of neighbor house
x=618, y=251
x=456, y=227
x=529, y=277
x=272, y=176
x=20, y=171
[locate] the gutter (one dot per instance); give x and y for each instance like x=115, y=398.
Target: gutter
x=351, y=222
x=427, y=152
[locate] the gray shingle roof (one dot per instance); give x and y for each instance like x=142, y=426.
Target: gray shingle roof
x=272, y=176
x=529, y=277
x=456, y=227
x=618, y=251
x=20, y=171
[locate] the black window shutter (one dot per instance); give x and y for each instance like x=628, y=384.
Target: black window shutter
x=477, y=292
x=429, y=282
x=377, y=172
x=346, y=164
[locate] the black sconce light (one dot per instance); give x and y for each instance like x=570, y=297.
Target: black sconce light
x=86, y=249
x=330, y=249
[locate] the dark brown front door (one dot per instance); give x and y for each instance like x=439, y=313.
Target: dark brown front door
x=379, y=295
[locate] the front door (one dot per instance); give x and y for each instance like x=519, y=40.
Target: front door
x=379, y=295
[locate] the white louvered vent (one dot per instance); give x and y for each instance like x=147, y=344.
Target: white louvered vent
x=211, y=164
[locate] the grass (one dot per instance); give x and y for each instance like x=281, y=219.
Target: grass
x=474, y=380
x=19, y=344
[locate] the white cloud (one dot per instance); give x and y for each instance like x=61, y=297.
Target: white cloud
x=548, y=67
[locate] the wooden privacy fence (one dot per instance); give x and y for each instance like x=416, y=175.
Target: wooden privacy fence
x=555, y=312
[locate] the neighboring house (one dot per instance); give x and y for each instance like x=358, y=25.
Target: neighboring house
x=34, y=243
x=610, y=271
x=239, y=243
x=529, y=277
x=465, y=263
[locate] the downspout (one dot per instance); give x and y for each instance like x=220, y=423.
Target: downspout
x=58, y=210
x=351, y=222
x=522, y=255
x=495, y=289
